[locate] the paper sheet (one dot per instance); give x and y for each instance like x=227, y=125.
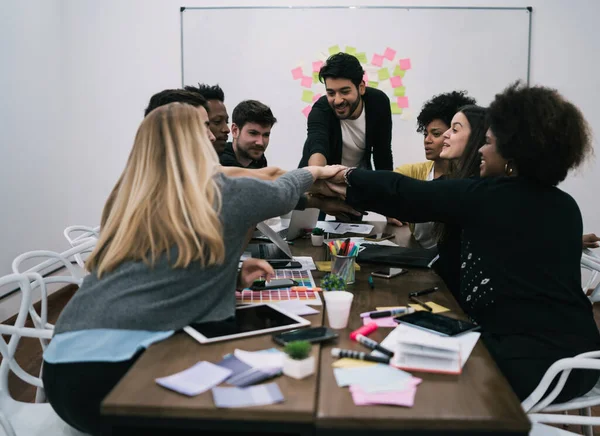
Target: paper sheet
x=306, y=262
x=376, y=375
x=272, y=358
x=343, y=228
x=297, y=307
x=196, y=379
x=244, y=397
x=404, y=398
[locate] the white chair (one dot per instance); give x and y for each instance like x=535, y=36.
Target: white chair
x=591, y=262
x=538, y=405
x=76, y=235
x=538, y=429
x=18, y=418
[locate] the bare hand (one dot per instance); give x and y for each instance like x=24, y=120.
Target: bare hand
x=590, y=240
x=320, y=188
x=332, y=206
x=339, y=177
x=253, y=269
x=331, y=171
x=394, y=222
x=338, y=188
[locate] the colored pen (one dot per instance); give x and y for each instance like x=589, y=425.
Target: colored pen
x=373, y=345
x=304, y=288
x=420, y=303
x=371, y=284
x=423, y=292
x=337, y=352
x=391, y=312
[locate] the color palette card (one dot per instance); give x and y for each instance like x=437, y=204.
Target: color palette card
x=196, y=379
x=261, y=395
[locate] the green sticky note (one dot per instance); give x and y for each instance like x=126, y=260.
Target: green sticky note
x=383, y=74
x=400, y=91
x=396, y=110
x=398, y=71
x=315, y=77
x=350, y=50
x=373, y=84
x=307, y=96
x=334, y=49
x=362, y=57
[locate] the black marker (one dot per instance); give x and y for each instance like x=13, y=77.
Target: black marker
x=337, y=352
x=423, y=292
x=373, y=345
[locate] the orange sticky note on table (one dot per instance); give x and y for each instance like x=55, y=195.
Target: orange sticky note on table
x=377, y=60
x=404, y=64
x=403, y=102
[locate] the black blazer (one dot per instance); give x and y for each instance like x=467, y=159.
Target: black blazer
x=325, y=133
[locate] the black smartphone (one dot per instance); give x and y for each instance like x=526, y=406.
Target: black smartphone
x=436, y=323
x=311, y=334
x=375, y=237
x=261, y=285
x=284, y=264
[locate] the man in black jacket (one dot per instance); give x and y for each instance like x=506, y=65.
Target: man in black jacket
x=350, y=123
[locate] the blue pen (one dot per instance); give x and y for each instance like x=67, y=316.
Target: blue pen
x=371, y=284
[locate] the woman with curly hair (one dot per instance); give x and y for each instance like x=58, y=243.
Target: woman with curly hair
x=530, y=308
x=433, y=121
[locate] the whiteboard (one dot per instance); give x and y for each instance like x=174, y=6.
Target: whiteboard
x=251, y=52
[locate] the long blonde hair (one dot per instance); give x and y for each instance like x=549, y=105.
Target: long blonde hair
x=165, y=197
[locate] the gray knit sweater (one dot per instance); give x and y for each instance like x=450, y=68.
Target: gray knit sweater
x=135, y=296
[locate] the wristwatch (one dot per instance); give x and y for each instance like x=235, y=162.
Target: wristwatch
x=347, y=174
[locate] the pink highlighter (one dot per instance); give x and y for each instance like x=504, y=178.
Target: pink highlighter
x=360, y=336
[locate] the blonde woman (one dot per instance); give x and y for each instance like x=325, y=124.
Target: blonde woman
x=167, y=257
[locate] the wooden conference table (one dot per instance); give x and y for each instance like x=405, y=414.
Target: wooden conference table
x=479, y=401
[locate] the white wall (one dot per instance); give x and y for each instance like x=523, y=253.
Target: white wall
x=77, y=75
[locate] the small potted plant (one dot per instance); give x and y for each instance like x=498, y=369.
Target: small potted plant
x=298, y=363
x=333, y=282
x=317, y=236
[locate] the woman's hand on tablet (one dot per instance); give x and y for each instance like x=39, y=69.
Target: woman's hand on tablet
x=253, y=269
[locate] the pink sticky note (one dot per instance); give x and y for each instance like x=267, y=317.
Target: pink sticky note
x=306, y=81
x=404, y=398
x=389, y=54
x=377, y=60
x=306, y=111
x=403, y=102
x=396, y=81
x=404, y=64
x=297, y=73
x=366, y=78
x=316, y=97
x=317, y=66
x=381, y=322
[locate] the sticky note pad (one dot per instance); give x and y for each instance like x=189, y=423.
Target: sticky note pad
x=297, y=73
x=316, y=97
x=334, y=49
x=396, y=81
x=399, y=71
x=383, y=74
x=388, y=321
x=351, y=363
x=365, y=78
x=404, y=64
x=306, y=81
x=362, y=57
x=389, y=54
x=350, y=50
x=315, y=77
x=307, y=96
x=377, y=60
x=403, y=102
x=396, y=110
x=400, y=91
x=316, y=66
x=306, y=111
x=373, y=84
x=437, y=308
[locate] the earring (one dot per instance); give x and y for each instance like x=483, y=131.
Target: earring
x=508, y=170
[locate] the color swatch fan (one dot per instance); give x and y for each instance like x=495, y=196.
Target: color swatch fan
x=304, y=279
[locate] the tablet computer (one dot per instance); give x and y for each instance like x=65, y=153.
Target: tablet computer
x=249, y=321
x=435, y=323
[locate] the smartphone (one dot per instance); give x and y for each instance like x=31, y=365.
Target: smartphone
x=436, y=323
x=388, y=273
x=379, y=237
x=287, y=264
x=261, y=285
x=311, y=334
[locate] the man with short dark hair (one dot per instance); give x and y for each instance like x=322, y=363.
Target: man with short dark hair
x=219, y=118
x=251, y=130
x=351, y=122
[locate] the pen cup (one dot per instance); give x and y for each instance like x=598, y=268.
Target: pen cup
x=338, y=305
x=343, y=266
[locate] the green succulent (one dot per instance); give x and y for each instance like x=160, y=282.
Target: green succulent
x=333, y=282
x=298, y=350
x=317, y=231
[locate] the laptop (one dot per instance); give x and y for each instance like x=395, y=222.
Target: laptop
x=278, y=250
x=292, y=228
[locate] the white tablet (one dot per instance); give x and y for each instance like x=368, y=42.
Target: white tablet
x=249, y=321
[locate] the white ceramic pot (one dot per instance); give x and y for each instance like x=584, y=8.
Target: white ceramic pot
x=298, y=369
x=317, y=240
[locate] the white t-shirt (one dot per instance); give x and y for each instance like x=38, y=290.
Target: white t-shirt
x=423, y=231
x=353, y=140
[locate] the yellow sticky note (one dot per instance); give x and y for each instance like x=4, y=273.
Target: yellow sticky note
x=390, y=307
x=436, y=307
x=396, y=110
x=398, y=71
x=400, y=91
x=351, y=363
x=373, y=84
x=383, y=74
x=307, y=96
x=350, y=50
x=325, y=265
x=334, y=49
x=315, y=77
x=362, y=57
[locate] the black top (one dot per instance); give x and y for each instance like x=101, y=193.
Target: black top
x=522, y=289
x=229, y=159
x=325, y=132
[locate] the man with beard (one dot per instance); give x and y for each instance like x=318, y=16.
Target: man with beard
x=219, y=119
x=351, y=122
x=251, y=129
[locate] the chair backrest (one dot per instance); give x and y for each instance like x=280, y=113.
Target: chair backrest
x=591, y=262
x=77, y=235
